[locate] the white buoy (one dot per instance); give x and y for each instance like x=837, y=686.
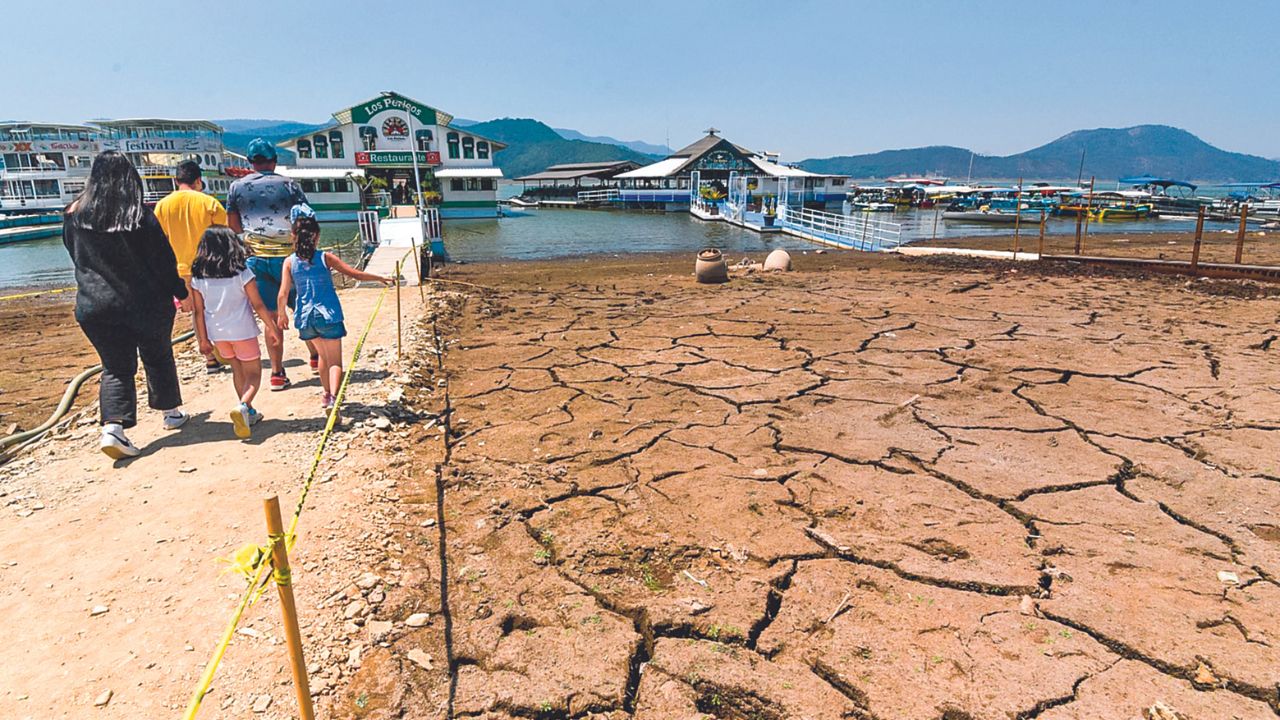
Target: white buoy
x=778, y=260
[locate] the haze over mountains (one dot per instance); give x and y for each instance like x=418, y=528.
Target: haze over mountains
x=1110, y=153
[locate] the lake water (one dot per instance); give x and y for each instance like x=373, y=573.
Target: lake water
x=562, y=233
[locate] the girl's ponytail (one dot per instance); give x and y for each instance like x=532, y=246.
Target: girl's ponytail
x=306, y=236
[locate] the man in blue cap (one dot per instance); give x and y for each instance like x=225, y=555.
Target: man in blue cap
x=258, y=206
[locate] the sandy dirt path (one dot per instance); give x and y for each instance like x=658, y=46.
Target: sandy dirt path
x=141, y=539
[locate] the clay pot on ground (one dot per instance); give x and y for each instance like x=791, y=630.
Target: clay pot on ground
x=778, y=260
x=710, y=267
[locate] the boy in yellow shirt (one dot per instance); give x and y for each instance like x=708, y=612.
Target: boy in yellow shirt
x=185, y=214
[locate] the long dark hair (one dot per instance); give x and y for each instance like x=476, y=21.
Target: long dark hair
x=112, y=197
x=306, y=235
x=220, y=255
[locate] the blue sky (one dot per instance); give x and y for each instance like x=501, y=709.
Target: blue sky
x=806, y=77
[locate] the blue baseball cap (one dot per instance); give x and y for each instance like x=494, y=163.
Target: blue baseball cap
x=261, y=149
x=300, y=210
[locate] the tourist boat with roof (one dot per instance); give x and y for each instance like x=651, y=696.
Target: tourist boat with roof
x=43, y=166
x=155, y=146
x=1167, y=196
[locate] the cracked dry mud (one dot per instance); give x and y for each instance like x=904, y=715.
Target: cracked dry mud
x=846, y=492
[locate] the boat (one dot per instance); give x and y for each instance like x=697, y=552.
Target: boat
x=1121, y=211
x=155, y=146
x=1120, y=205
x=1168, y=196
x=523, y=202
x=872, y=206
x=987, y=214
x=22, y=233
x=9, y=221
x=43, y=166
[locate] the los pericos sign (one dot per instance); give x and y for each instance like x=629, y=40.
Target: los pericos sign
x=363, y=113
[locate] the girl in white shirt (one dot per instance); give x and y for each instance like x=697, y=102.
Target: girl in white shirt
x=226, y=300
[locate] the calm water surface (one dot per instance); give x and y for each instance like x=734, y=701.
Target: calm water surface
x=564, y=233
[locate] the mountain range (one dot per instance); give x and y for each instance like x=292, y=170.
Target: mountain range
x=1109, y=153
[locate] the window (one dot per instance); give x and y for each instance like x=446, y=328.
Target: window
x=424, y=140
x=72, y=188
x=47, y=188
x=308, y=186
x=482, y=150
x=368, y=138
x=837, y=182
x=335, y=143
x=452, y=139
x=341, y=186
x=304, y=149
x=456, y=185
x=468, y=148
x=324, y=186
x=322, y=146
x=486, y=183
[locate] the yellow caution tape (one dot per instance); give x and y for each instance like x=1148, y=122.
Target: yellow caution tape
x=252, y=560
x=35, y=293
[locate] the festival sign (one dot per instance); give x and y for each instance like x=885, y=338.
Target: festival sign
x=399, y=159
x=40, y=146
x=163, y=145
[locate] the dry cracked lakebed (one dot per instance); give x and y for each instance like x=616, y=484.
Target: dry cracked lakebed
x=871, y=488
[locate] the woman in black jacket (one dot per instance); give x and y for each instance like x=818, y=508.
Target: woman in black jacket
x=126, y=278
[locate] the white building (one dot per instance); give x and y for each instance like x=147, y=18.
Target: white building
x=368, y=160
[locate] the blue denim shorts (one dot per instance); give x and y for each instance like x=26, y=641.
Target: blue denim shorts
x=267, y=273
x=327, y=331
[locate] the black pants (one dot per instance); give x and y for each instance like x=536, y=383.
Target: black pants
x=119, y=344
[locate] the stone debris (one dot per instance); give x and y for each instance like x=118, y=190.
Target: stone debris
x=420, y=658
x=418, y=620
x=261, y=703
x=103, y=698
x=99, y=610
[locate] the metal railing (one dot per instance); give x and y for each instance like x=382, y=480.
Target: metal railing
x=859, y=232
x=606, y=195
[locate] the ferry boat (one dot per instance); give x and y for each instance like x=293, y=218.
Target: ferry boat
x=156, y=145
x=43, y=166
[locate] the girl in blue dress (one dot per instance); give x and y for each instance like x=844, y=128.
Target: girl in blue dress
x=318, y=313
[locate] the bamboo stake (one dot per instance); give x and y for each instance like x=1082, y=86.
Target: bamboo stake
x=398, y=335
x=1079, y=222
x=1043, y=216
x=1195, y=248
x=935, y=220
x=1017, y=218
x=1244, y=214
x=293, y=638
x=417, y=265
x=1088, y=207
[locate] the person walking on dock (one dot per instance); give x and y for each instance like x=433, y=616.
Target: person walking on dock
x=126, y=281
x=258, y=207
x=185, y=214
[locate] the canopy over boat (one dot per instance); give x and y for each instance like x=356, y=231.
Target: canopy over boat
x=1156, y=181
x=1268, y=185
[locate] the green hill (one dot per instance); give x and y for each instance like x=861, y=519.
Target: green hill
x=1110, y=153
x=533, y=146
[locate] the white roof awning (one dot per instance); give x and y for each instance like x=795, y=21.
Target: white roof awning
x=469, y=172
x=318, y=173
x=775, y=170
x=660, y=169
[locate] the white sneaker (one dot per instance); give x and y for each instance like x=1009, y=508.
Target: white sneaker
x=174, y=421
x=117, y=446
x=240, y=421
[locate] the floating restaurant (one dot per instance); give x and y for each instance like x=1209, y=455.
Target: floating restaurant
x=709, y=167
x=387, y=150
x=562, y=184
